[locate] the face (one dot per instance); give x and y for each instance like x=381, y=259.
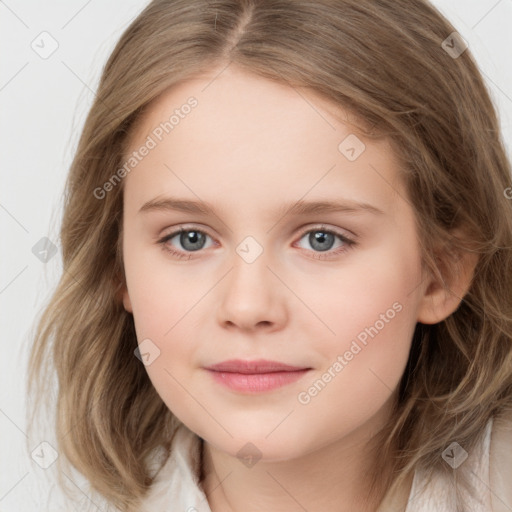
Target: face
x=334, y=292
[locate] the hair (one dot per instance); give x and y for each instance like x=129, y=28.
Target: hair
x=382, y=62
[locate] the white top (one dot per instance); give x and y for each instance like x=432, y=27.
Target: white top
x=438, y=496
x=176, y=487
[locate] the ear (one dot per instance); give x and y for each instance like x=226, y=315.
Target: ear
x=443, y=294
x=122, y=293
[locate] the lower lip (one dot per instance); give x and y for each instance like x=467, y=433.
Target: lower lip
x=256, y=382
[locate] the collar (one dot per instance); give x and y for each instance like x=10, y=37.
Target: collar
x=177, y=482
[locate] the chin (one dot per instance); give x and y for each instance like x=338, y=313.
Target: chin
x=254, y=444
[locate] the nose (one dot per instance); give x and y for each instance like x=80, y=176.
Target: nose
x=251, y=297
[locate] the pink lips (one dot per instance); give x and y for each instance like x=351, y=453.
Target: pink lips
x=255, y=376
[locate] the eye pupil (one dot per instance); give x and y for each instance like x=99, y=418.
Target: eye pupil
x=318, y=240
x=193, y=238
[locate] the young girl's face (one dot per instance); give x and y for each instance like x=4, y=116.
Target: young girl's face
x=336, y=292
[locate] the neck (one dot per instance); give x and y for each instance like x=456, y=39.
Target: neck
x=332, y=478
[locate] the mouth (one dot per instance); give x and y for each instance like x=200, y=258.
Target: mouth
x=255, y=376
x=254, y=367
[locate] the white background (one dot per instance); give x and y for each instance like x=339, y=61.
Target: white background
x=43, y=106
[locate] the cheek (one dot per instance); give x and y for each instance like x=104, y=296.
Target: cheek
x=162, y=294
x=161, y=306
x=163, y=316
x=374, y=300
x=166, y=323
x=362, y=369
x=373, y=314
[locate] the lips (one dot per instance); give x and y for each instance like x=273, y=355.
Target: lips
x=254, y=367
x=253, y=377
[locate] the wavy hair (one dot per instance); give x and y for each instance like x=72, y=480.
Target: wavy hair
x=384, y=62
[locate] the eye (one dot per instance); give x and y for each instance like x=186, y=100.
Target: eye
x=191, y=240
x=321, y=239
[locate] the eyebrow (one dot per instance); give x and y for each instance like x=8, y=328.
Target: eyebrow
x=298, y=208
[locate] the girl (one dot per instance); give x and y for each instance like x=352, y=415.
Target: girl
x=211, y=355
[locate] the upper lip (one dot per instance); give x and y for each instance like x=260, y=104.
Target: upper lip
x=256, y=366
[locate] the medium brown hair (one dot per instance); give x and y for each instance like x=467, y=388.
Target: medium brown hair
x=383, y=61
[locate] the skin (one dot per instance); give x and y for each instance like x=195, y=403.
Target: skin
x=249, y=147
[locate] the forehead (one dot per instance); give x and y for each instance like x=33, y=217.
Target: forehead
x=235, y=95
x=244, y=135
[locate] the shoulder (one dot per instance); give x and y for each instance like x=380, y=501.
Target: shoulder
x=500, y=462
x=488, y=470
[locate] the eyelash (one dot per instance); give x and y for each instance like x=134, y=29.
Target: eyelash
x=349, y=243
